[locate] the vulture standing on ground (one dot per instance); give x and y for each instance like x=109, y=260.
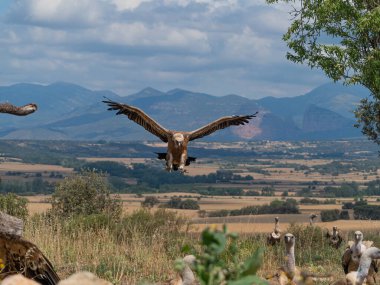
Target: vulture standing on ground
x=186, y=276
x=275, y=236
x=19, y=256
x=18, y=111
x=289, y=274
x=335, y=239
x=351, y=256
x=312, y=218
x=362, y=274
x=176, y=155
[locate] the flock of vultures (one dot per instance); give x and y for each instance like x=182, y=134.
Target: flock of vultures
x=20, y=258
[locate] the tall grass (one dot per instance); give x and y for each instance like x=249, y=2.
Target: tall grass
x=143, y=246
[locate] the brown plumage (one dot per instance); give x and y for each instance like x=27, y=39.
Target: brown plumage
x=275, y=236
x=18, y=111
x=176, y=156
x=364, y=273
x=353, y=253
x=19, y=256
x=334, y=237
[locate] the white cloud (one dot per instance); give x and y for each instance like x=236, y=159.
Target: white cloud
x=61, y=13
x=219, y=47
x=128, y=4
x=248, y=46
x=160, y=35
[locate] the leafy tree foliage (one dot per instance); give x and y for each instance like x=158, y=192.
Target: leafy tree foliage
x=85, y=193
x=330, y=215
x=211, y=267
x=150, y=202
x=14, y=205
x=289, y=206
x=342, y=38
x=367, y=212
x=178, y=203
x=345, y=190
x=36, y=186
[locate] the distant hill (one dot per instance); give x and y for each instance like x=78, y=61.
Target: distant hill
x=68, y=111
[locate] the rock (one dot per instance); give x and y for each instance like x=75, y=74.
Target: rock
x=84, y=278
x=18, y=280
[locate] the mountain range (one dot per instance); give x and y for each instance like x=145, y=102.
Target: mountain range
x=71, y=112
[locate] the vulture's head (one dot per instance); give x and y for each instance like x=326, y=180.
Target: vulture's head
x=358, y=236
x=276, y=219
x=289, y=240
x=30, y=108
x=178, y=139
x=189, y=259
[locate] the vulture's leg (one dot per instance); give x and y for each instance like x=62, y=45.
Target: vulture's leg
x=169, y=162
x=183, y=161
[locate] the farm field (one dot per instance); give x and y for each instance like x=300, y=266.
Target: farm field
x=241, y=224
x=148, y=252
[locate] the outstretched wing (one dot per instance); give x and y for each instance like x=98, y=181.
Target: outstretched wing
x=18, y=111
x=139, y=117
x=23, y=257
x=219, y=124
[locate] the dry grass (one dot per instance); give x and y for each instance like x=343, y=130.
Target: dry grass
x=137, y=255
x=121, y=259
x=125, y=160
x=26, y=167
x=256, y=227
x=39, y=204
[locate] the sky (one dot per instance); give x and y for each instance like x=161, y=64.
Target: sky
x=218, y=47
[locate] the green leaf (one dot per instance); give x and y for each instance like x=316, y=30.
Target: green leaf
x=186, y=249
x=216, y=241
x=252, y=264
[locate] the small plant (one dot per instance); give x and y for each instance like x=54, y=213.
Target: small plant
x=150, y=202
x=14, y=205
x=212, y=268
x=85, y=193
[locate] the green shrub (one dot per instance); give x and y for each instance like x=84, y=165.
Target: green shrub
x=330, y=215
x=150, y=201
x=367, y=212
x=312, y=247
x=344, y=215
x=212, y=268
x=14, y=205
x=178, y=203
x=190, y=204
x=289, y=206
x=85, y=193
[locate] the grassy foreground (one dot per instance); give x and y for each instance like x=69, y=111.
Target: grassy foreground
x=143, y=246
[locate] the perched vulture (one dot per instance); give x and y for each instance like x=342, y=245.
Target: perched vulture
x=275, y=236
x=176, y=155
x=289, y=273
x=355, y=249
x=18, y=111
x=19, y=256
x=335, y=239
x=312, y=218
x=364, y=269
x=186, y=276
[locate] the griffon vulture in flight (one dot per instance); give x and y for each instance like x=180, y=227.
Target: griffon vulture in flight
x=18, y=111
x=19, y=256
x=176, y=156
